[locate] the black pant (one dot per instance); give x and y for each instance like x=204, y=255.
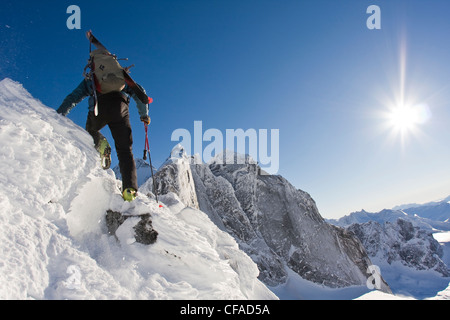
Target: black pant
x=113, y=111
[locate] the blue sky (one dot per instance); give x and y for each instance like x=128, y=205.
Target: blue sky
x=311, y=69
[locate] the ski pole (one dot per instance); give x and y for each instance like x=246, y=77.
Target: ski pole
x=147, y=150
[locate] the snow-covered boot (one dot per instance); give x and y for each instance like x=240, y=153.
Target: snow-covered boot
x=105, y=153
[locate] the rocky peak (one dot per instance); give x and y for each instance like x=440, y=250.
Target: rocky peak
x=277, y=225
x=175, y=176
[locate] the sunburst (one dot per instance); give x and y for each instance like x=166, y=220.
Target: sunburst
x=404, y=114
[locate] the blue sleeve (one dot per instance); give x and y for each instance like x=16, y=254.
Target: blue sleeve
x=77, y=95
x=142, y=107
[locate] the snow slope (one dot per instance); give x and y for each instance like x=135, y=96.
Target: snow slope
x=53, y=242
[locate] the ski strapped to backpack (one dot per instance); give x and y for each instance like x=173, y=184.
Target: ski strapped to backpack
x=106, y=73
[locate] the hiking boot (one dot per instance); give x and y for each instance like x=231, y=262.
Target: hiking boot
x=105, y=153
x=129, y=194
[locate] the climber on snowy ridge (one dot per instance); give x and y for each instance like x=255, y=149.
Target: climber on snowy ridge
x=109, y=89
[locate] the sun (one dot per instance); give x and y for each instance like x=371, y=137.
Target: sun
x=404, y=108
x=404, y=118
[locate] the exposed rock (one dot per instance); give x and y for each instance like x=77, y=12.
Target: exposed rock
x=401, y=241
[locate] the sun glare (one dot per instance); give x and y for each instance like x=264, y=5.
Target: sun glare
x=404, y=118
x=403, y=115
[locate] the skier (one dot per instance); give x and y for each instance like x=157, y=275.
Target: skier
x=112, y=111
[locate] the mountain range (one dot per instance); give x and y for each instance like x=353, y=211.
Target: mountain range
x=225, y=231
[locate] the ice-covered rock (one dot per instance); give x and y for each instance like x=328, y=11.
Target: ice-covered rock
x=175, y=176
x=401, y=241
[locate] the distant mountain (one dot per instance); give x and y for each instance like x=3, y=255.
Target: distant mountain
x=401, y=242
x=438, y=211
x=382, y=232
x=410, y=214
x=416, y=205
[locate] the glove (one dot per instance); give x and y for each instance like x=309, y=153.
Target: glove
x=146, y=120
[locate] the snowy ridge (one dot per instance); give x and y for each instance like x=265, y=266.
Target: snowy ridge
x=427, y=204
x=53, y=243
x=390, y=215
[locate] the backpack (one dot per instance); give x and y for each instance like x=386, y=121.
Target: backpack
x=106, y=71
